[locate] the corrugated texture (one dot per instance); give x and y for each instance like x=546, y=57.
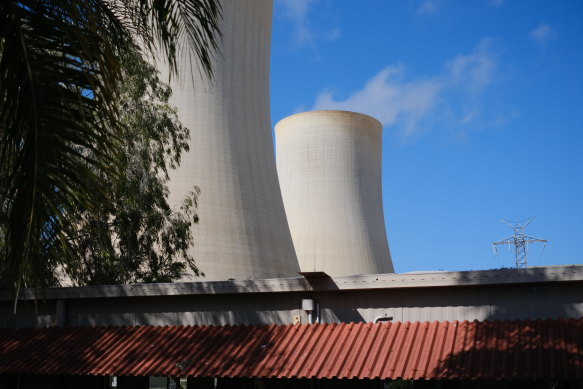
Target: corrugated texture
x=538, y=349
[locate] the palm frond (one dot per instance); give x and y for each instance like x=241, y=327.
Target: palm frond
x=178, y=29
x=56, y=87
x=59, y=127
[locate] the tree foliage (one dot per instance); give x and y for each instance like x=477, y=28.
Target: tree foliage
x=136, y=236
x=61, y=127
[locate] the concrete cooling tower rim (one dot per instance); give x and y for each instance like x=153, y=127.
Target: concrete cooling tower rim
x=324, y=111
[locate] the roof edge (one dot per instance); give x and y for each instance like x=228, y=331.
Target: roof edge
x=562, y=273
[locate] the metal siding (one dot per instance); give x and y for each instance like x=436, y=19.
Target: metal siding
x=486, y=302
x=180, y=310
x=563, y=300
x=532, y=349
x=39, y=313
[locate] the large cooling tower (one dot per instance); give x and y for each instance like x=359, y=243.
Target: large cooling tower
x=329, y=166
x=243, y=232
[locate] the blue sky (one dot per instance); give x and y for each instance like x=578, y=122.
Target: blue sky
x=482, y=107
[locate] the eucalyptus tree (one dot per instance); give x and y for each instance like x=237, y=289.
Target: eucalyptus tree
x=61, y=129
x=136, y=236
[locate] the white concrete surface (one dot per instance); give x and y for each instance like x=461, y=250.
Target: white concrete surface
x=243, y=232
x=329, y=167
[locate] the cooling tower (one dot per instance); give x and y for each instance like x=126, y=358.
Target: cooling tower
x=242, y=232
x=329, y=167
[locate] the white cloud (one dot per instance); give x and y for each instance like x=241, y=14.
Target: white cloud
x=297, y=12
x=502, y=119
x=429, y=6
x=542, y=34
x=496, y=3
x=411, y=103
x=388, y=98
x=473, y=70
x=296, y=9
x=333, y=35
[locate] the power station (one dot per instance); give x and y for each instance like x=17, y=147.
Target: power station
x=254, y=321
x=329, y=169
x=243, y=232
x=329, y=166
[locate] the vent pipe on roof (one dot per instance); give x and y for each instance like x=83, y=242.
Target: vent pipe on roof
x=312, y=308
x=382, y=318
x=308, y=305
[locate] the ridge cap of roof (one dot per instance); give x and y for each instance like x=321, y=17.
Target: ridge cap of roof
x=558, y=273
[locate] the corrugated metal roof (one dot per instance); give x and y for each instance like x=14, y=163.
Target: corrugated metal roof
x=537, y=349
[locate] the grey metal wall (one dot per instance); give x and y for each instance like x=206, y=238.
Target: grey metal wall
x=243, y=232
x=482, y=302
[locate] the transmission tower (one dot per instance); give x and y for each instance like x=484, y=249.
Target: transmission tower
x=519, y=240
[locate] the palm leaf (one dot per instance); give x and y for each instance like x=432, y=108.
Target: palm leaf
x=178, y=29
x=59, y=77
x=56, y=82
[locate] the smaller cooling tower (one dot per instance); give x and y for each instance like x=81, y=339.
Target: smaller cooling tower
x=329, y=168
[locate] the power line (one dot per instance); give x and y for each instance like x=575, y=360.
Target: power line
x=519, y=240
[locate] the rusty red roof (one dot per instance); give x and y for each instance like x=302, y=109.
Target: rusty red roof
x=537, y=349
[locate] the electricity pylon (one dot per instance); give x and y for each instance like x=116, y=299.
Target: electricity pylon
x=519, y=240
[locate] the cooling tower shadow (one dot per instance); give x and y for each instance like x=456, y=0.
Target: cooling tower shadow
x=230, y=302
x=325, y=289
